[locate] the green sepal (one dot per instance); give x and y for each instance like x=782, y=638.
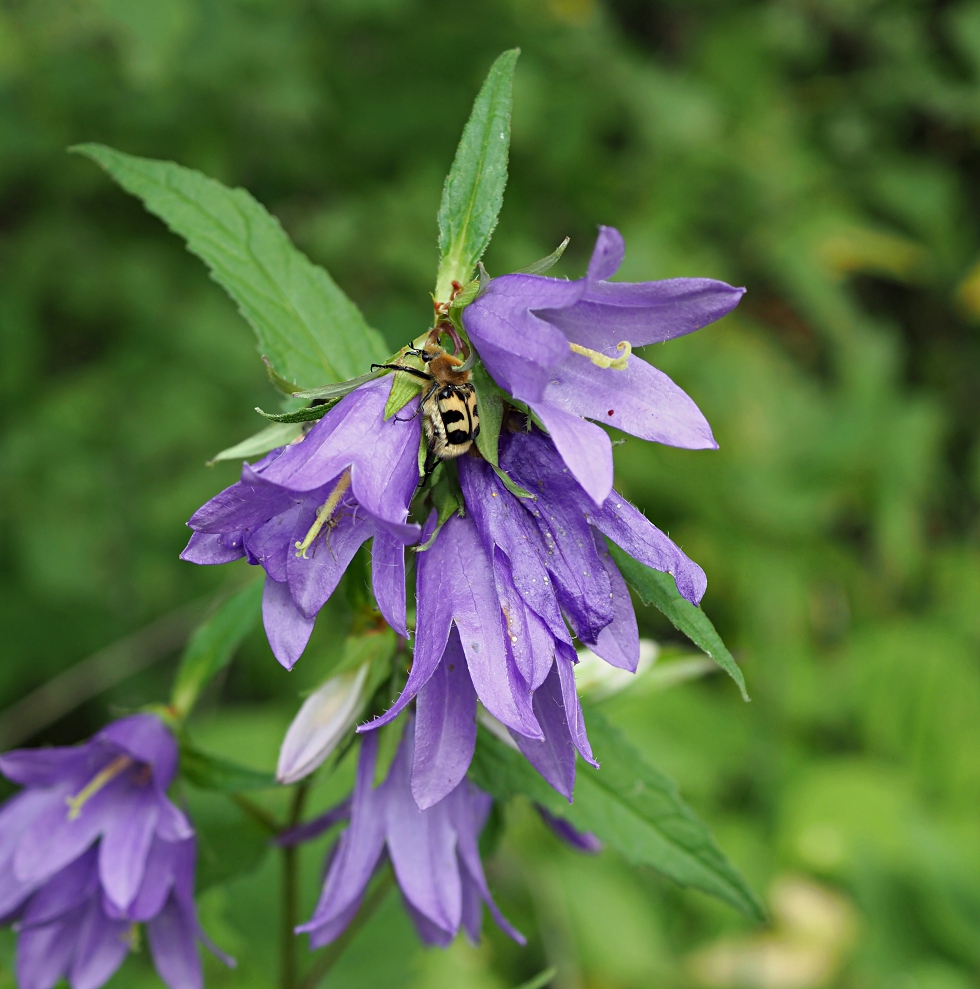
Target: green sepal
x=279, y=434
x=511, y=485
x=213, y=644
x=448, y=498
x=490, y=405
x=474, y=189
x=208, y=772
x=630, y=806
x=278, y=381
x=336, y=390
x=312, y=413
x=660, y=590
x=470, y=291
x=545, y=264
x=403, y=389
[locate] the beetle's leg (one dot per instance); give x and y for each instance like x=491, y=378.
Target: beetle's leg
x=401, y=367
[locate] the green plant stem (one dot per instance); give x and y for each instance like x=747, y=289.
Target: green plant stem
x=257, y=813
x=331, y=954
x=290, y=892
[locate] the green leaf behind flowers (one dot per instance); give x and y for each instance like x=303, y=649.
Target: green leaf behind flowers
x=306, y=326
x=213, y=644
x=278, y=434
x=474, y=189
x=632, y=807
x=210, y=772
x=660, y=590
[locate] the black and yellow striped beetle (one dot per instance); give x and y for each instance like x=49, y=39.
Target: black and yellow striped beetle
x=448, y=407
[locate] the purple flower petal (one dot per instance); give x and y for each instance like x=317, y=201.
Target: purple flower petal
x=172, y=825
x=468, y=807
x=445, y=728
x=359, y=849
x=640, y=400
x=430, y=934
x=126, y=843
x=69, y=889
x=388, y=579
x=433, y=622
x=553, y=756
x=271, y=545
x=564, y=663
x=583, y=446
x=44, y=767
x=382, y=455
x=286, y=627
x=102, y=946
x=211, y=548
x=619, y=642
x=313, y=578
x=147, y=740
x=505, y=523
x=422, y=846
x=250, y=502
x=158, y=879
x=643, y=312
x=45, y=953
x=315, y=827
x=171, y=934
x=640, y=538
x=607, y=255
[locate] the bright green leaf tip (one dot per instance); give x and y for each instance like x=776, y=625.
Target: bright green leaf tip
x=474, y=189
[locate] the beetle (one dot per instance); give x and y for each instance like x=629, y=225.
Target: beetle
x=449, y=413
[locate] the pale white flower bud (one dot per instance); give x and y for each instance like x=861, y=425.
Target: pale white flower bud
x=322, y=721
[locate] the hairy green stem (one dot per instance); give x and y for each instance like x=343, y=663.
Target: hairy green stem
x=290, y=893
x=331, y=954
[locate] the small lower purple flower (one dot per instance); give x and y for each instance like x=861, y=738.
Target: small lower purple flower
x=91, y=847
x=433, y=853
x=304, y=510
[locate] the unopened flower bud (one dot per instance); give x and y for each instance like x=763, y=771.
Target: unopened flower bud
x=322, y=721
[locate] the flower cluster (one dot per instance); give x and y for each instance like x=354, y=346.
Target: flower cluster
x=504, y=587
x=91, y=848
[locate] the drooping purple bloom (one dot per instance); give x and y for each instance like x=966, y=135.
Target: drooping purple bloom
x=433, y=853
x=497, y=593
x=91, y=846
x=304, y=510
x=544, y=341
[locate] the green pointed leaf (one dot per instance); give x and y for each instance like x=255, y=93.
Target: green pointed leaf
x=312, y=413
x=210, y=772
x=306, y=327
x=629, y=805
x=277, y=380
x=474, y=189
x=338, y=390
x=263, y=441
x=545, y=264
x=213, y=644
x=541, y=980
x=660, y=590
x=404, y=388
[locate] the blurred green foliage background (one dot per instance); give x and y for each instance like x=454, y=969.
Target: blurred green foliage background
x=824, y=153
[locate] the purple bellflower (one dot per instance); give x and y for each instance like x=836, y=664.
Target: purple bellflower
x=433, y=853
x=91, y=847
x=303, y=511
x=497, y=593
x=564, y=348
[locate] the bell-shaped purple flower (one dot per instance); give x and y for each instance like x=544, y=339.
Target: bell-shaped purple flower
x=304, y=510
x=497, y=593
x=433, y=853
x=92, y=846
x=563, y=347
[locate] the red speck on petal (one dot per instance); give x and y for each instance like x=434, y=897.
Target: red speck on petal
x=611, y=412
